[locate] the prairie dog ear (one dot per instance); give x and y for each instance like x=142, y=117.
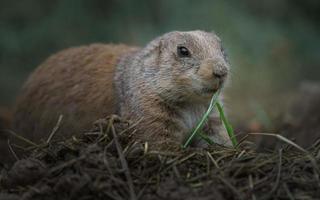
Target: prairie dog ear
x=152, y=53
x=154, y=47
x=158, y=45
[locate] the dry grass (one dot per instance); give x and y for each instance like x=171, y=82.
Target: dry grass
x=103, y=165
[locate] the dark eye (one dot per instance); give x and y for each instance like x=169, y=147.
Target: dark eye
x=183, y=51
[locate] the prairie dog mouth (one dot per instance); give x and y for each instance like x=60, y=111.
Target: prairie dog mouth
x=208, y=90
x=217, y=84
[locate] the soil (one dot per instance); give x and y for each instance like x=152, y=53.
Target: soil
x=103, y=165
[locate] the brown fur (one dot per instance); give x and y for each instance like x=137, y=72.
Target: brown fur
x=5, y=118
x=5, y=123
x=76, y=83
x=153, y=84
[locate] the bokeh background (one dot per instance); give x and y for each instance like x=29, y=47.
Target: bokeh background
x=273, y=45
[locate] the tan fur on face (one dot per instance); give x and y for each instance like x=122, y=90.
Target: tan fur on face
x=152, y=83
x=205, y=71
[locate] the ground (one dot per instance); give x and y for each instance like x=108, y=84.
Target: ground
x=101, y=164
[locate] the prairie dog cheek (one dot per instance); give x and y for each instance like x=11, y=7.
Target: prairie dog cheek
x=205, y=72
x=184, y=80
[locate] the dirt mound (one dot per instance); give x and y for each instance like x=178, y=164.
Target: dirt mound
x=103, y=165
x=302, y=122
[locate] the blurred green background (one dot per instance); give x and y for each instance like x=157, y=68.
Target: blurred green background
x=273, y=45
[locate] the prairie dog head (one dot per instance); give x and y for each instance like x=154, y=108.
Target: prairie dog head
x=186, y=65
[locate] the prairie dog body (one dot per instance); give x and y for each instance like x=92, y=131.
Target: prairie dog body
x=167, y=84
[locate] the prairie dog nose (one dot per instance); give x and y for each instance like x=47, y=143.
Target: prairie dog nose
x=220, y=70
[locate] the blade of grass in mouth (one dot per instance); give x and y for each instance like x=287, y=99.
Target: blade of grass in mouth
x=197, y=131
x=227, y=125
x=203, y=119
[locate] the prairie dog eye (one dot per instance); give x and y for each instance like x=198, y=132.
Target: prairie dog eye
x=183, y=52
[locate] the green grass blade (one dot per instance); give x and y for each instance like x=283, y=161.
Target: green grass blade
x=205, y=138
x=203, y=120
x=227, y=124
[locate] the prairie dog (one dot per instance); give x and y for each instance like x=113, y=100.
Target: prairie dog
x=167, y=84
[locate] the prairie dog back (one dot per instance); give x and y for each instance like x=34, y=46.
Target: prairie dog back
x=76, y=83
